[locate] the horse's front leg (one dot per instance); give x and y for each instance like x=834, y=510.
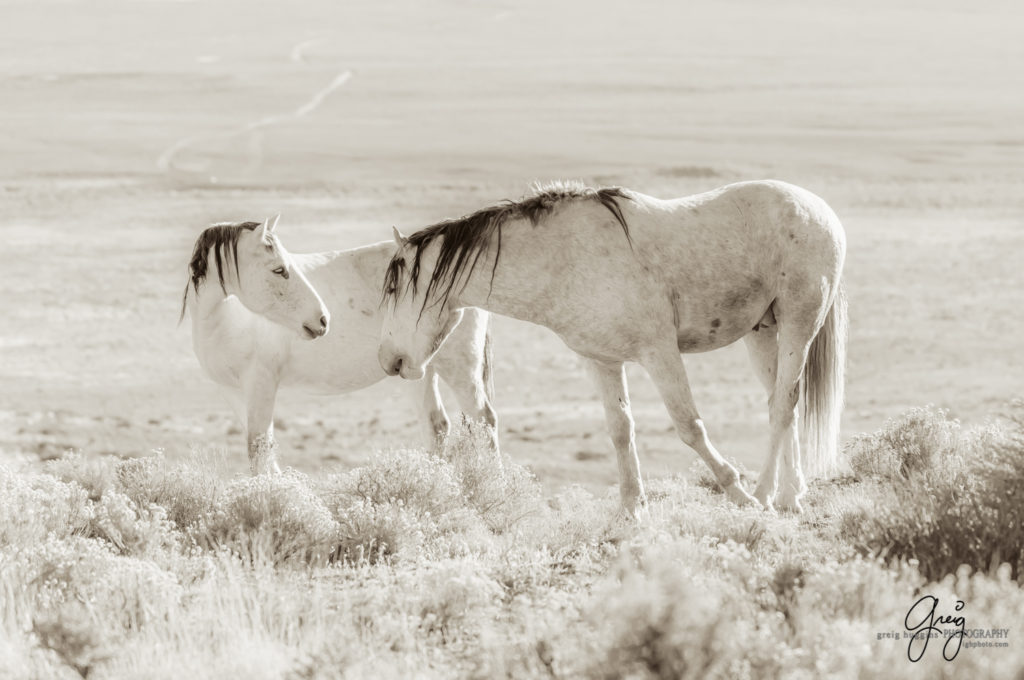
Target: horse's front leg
x=430, y=410
x=611, y=381
x=665, y=366
x=461, y=364
x=260, y=392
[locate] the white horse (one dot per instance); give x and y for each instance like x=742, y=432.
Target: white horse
x=253, y=306
x=621, y=276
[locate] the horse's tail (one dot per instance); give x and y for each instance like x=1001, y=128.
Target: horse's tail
x=822, y=389
x=488, y=369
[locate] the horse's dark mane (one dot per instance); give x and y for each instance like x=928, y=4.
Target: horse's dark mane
x=222, y=239
x=466, y=238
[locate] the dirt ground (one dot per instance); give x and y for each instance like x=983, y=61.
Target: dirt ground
x=129, y=126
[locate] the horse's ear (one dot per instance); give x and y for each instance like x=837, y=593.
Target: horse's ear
x=399, y=239
x=267, y=228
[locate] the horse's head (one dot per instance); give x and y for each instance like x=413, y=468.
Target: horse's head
x=418, y=318
x=271, y=285
x=250, y=263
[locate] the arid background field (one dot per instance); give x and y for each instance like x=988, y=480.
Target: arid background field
x=126, y=127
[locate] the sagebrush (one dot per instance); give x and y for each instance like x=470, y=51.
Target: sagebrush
x=455, y=565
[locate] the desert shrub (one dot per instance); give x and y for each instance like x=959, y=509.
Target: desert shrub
x=918, y=440
x=133, y=530
x=577, y=523
x=502, y=492
x=71, y=633
x=188, y=492
x=455, y=598
x=373, y=532
x=21, y=656
x=460, y=532
x=421, y=482
x=412, y=503
x=33, y=506
x=861, y=589
x=88, y=579
x=243, y=620
x=963, y=508
x=94, y=474
x=272, y=517
x=657, y=623
x=400, y=503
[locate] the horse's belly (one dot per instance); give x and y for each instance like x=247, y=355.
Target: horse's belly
x=336, y=379
x=335, y=365
x=721, y=320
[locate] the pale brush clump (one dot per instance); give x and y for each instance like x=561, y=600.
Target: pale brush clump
x=410, y=504
x=132, y=529
x=273, y=517
x=942, y=495
x=432, y=565
x=34, y=506
x=501, y=492
x=919, y=440
x=189, y=491
x=95, y=475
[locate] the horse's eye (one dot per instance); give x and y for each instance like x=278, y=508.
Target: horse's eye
x=281, y=271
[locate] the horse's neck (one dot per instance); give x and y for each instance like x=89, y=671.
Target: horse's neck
x=519, y=287
x=205, y=300
x=371, y=261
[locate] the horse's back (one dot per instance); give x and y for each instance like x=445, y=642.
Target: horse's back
x=723, y=257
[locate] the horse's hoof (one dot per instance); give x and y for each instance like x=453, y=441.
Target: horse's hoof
x=635, y=513
x=790, y=505
x=764, y=497
x=741, y=498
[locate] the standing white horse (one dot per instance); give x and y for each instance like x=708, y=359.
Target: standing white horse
x=621, y=276
x=253, y=303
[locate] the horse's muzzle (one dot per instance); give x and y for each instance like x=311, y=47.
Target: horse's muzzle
x=314, y=331
x=396, y=363
x=390, y=360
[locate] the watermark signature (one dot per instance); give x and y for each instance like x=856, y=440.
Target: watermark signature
x=925, y=621
x=921, y=620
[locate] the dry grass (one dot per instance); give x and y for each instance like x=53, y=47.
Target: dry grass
x=403, y=568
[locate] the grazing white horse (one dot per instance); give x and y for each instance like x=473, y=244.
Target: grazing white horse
x=621, y=276
x=253, y=304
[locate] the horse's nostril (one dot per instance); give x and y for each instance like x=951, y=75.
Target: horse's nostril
x=323, y=322
x=398, y=366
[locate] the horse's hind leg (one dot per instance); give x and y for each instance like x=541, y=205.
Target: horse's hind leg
x=611, y=381
x=763, y=348
x=665, y=367
x=798, y=325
